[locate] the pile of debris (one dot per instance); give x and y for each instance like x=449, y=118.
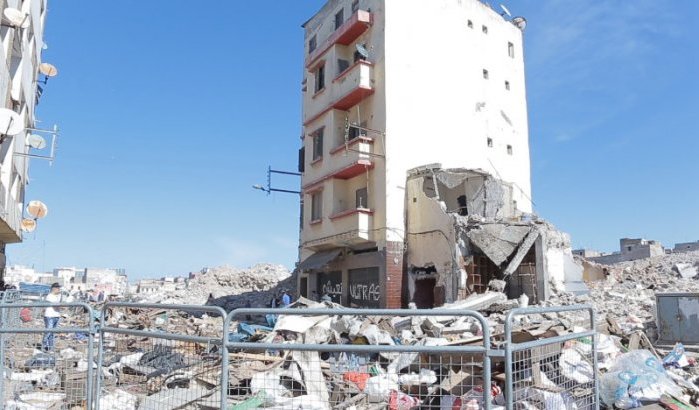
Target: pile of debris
x=230, y=287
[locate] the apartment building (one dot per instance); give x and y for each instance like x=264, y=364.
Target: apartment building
x=389, y=86
x=21, y=45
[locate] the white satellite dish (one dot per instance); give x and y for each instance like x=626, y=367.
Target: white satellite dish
x=362, y=50
x=16, y=18
x=37, y=209
x=505, y=11
x=10, y=122
x=36, y=141
x=49, y=70
x=520, y=22
x=28, y=225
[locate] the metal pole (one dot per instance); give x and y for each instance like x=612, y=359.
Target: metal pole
x=270, y=170
x=90, y=357
x=2, y=356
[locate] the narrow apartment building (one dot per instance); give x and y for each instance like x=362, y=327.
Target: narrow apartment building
x=391, y=85
x=21, y=84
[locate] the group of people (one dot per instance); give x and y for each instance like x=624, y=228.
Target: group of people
x=282, y=299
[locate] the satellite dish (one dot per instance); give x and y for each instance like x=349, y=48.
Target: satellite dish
x=505, y=11
x=49, y=70
x=10, y=122
x=520, y=22
x=36, y=141
x=362, y=50
x=37, y=209
x=44, y=46
x=16, y=18
x=28, y=225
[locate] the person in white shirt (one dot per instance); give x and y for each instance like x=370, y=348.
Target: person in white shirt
x=51, y=316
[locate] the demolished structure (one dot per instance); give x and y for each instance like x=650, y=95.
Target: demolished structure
x=465, y=231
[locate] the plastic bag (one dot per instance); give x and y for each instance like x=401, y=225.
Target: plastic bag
x=635, y=376
x=676, y=358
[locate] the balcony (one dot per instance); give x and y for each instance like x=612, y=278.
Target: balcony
x=347, y=90
x=345, y=35
x=10, y=218
x=351, y=227
x=348, y=161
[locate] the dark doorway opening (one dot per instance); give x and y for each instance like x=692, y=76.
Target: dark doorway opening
x=424, y=293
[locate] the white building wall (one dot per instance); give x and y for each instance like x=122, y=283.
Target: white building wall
x=440, y=109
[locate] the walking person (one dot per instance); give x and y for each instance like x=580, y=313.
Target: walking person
x=51, y=316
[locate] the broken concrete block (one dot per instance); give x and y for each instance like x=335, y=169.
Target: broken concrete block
x=685, y=270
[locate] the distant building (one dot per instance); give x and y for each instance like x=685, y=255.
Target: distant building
x=586, y=253
x=686, y=247
x=160, y=286
x=631, y=250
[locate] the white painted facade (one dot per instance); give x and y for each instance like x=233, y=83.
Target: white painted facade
x=423, y=94
x=20, y=57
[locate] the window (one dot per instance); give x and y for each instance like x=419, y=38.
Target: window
x=342, y=65
x=302, y=159
x=485, y=29
x=485, y=74
x=470, y=24
x=507, y=85
x=490, y=142
x=509, y=150
x=355, y=6
x=339, y=18
x=361, y=198
x=511, y=50
x=312, y=44
x=318, y=144
x=359, y=56
x=355, y=131
x=317, y=206
x=320, y=78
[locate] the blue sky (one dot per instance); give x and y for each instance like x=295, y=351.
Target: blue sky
x=170, y=112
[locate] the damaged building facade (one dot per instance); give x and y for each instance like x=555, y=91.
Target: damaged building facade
x=381, y=98
x=466, y=233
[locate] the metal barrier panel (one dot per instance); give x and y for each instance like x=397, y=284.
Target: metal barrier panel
x=161, y=356
x=47, y=356
x=356, y=359
x=552, y=373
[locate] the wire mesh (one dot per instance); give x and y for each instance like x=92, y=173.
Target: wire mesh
x=558, y=375
x=160, y=358
x=355, y=369
x=46, y=369
x=554, y=371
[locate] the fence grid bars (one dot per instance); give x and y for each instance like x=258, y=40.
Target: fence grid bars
x=357, y=365
x=42, y=364
x=160, y=366
x=153, y=356
x=557, y=372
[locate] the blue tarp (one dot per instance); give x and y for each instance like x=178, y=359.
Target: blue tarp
x=36, y=288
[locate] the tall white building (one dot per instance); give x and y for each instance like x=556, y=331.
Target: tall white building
x=21, y=45
x=391, y=85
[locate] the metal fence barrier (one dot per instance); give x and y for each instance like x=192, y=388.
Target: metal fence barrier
x=47, y=361
x=160, y=366
x=153, y=356
x=558, y=372
x=351, y=358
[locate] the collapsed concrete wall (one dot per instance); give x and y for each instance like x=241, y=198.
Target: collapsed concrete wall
x=463, y=231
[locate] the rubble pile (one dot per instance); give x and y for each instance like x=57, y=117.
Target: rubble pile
x=627, y=294
x=232, y=287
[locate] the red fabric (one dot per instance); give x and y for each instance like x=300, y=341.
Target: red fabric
x=25, y=314
x=357, y=378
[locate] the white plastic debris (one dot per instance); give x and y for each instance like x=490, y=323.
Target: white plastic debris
x=425, y=376
x=574, y=366
x=378, y=388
